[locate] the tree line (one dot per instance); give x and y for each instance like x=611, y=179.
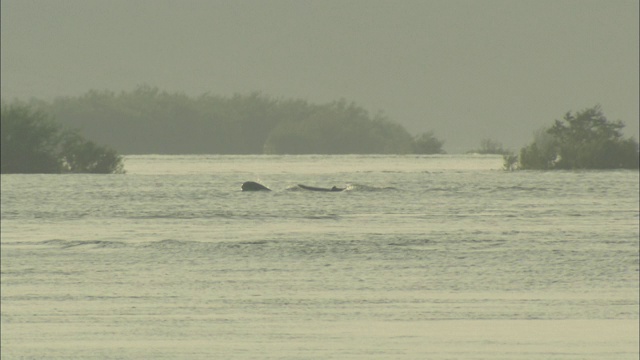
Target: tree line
x=62, y=135
x=149, y=121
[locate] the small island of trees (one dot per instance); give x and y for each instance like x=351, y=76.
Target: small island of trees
x=584, y=140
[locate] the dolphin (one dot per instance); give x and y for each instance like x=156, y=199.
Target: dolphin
x=254, y=186
x=313, y=188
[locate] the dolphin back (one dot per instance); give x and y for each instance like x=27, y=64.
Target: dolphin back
x=254, y=186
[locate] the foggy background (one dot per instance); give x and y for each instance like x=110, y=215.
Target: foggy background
x=467, y=70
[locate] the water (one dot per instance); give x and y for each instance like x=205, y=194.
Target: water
x=438, y=257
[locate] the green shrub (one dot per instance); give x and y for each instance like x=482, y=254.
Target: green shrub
x=32, y=143
x=586, y=140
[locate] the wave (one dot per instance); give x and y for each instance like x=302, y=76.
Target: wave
x=66, y=244
x=351, y=188
x=369, y=188
x=185, y=215
x=516, y=188
x=322, y=217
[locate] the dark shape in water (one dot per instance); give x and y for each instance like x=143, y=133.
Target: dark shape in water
x=254, y=186
x=313, y=188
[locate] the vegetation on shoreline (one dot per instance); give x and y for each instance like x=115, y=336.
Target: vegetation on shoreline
x=33, y=143
x=489, y=146
x=148, y=121
x=584, y=140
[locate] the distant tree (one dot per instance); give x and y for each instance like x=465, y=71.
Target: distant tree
x=338, y=128
x=541, y=154
x=32, y=143
x=586, y=140
x=82, y=156
x=427, y=143
x=290, y=138
x=488, y=146
x=29, y=141
x=150, y=121
x=510, y=161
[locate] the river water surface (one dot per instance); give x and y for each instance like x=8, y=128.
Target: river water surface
x=421, y=257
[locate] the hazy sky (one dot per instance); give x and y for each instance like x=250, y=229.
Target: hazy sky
x=467, y=69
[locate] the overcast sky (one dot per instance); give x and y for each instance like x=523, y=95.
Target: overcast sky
x=466, y=69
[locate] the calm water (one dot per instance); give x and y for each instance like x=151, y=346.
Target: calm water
x=431, y=257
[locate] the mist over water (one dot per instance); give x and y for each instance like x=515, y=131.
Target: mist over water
x=420, y=257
